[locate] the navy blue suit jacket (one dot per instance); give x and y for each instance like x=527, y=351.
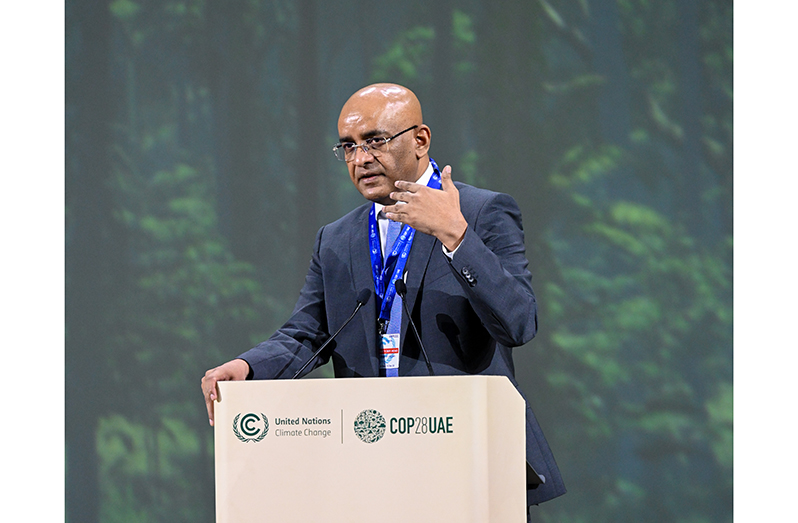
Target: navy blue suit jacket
x=470, y=311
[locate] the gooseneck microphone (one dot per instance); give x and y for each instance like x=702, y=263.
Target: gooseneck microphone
x=362, y=298
x=401, y=290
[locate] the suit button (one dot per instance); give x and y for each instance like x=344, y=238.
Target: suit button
x=468, y=276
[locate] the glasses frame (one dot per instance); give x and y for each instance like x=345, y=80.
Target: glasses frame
x=365, y=146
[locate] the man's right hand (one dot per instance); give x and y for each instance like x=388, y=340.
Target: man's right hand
x=234, y=370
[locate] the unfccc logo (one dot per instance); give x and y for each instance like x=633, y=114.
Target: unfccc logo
x=251, y=427
x=370, y=426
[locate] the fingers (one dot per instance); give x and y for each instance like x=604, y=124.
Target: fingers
x=446, y=178
x=407, y=191
x=403, y=196
x=210, y=392
x=209, y=408
x=397, y=211
x=446, y=183
x=234, y=370
x=408, y=186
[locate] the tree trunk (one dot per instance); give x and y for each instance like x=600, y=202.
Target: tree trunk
x=90, y=248
x=307, y=163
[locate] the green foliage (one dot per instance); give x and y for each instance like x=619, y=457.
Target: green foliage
x=124, y=9
x=462, y=29
x=405, y=57
x=408, y=58
x=147, y=472
x=187, y=295
x=720, y=412
x=467, y=169
x=180, y=256
x=642, y=324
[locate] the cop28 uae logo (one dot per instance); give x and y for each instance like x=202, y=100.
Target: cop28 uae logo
x=370, y=426
x=251, y=427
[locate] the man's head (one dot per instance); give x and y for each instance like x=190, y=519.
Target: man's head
x=382, y=111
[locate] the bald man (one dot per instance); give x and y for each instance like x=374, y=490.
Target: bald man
x=468, y=287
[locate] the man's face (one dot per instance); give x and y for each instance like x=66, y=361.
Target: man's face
x=374, y=176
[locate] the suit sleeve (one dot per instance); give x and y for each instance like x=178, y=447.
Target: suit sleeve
x=492, y=269
x=305, y=331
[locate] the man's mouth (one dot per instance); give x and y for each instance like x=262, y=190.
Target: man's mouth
x=367, y=177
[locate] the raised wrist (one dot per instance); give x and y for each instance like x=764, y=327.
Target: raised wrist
x=452, y=239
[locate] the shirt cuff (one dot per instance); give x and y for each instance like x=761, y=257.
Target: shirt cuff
x=450, y=254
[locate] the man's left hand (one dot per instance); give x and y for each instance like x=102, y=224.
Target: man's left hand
x=430, y=211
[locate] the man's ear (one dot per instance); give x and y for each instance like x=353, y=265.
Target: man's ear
x=423, y=138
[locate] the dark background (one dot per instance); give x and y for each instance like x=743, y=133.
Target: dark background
x=198, y=168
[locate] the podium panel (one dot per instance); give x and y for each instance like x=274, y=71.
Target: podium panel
x=410, y=449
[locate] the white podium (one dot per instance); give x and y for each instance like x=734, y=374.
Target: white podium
x=411, y=449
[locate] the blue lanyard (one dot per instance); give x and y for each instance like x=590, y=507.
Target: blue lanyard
x=397, y=258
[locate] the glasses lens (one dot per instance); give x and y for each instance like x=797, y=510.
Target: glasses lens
x=376, y=144
x=343, y=151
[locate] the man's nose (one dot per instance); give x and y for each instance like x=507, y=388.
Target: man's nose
x=361, y=156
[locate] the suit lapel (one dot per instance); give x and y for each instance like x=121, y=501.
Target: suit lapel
x=416, y=267
x=362, y=279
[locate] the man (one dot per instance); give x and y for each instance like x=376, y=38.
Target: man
x=468, y=287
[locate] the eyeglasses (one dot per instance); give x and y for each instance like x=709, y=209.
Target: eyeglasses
x=345, y=152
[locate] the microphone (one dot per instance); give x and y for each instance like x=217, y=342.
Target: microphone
x=401, y=290
x=362, y=298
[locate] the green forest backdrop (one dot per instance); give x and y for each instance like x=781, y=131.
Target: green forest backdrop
x=198, y=169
